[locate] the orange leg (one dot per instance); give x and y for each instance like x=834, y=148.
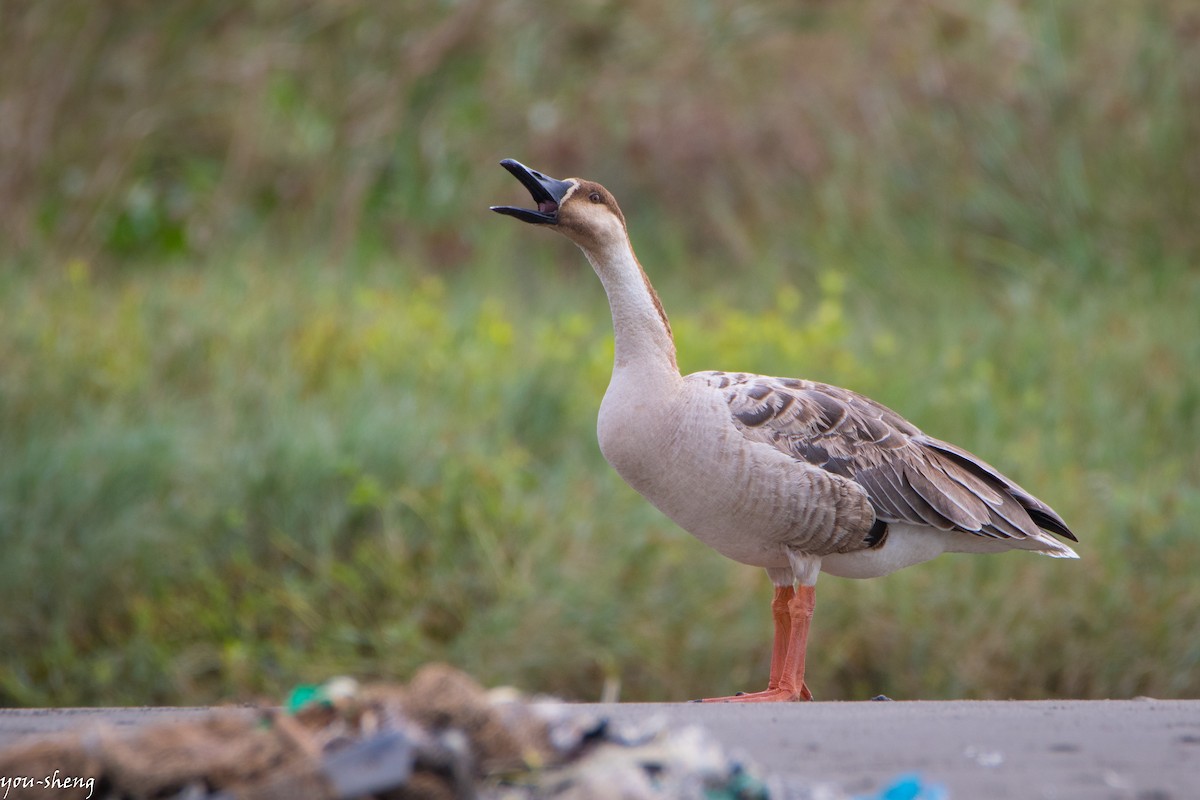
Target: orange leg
x=792, y=610
x=783, y=632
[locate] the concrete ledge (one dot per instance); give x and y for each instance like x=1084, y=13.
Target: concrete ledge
x=1122, y=749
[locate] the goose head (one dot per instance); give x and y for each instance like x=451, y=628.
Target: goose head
x=583, y=211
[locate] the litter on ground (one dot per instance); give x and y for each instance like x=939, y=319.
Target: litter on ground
x=441, y=737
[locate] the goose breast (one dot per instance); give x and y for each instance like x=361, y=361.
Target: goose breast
x=751, y=501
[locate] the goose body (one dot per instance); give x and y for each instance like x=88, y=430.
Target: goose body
x=757, y=467
x=790, y=475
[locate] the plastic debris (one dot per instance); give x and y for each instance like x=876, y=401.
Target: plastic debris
x=983, y=757
x=370, y=765
x=909, y=787
x=326, y=694
x=440, y=737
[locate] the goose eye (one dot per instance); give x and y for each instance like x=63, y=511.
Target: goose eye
x=594, y=197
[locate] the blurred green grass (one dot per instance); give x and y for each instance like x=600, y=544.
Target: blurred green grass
x=280, y=399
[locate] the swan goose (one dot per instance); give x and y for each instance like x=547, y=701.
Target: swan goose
x=791, y=475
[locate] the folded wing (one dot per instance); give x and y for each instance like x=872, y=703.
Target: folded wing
x=908, y=476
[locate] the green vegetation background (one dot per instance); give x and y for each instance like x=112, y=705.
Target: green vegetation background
x=280, y=399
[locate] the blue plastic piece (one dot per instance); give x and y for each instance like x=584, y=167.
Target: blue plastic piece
x=909, y=787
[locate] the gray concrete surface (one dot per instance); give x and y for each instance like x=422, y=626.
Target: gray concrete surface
x=1120, y=749
x=1125, y=750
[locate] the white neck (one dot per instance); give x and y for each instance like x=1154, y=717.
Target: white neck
x=641, y=333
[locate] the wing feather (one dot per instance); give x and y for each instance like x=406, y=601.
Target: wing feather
x=908, y=476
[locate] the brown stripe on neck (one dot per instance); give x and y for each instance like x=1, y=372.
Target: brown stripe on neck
x=662, y=312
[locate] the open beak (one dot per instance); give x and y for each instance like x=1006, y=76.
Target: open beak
x=547, y=193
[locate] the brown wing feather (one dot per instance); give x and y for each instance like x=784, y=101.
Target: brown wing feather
x=908, y=476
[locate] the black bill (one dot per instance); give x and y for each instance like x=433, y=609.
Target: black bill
x=546, y=191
